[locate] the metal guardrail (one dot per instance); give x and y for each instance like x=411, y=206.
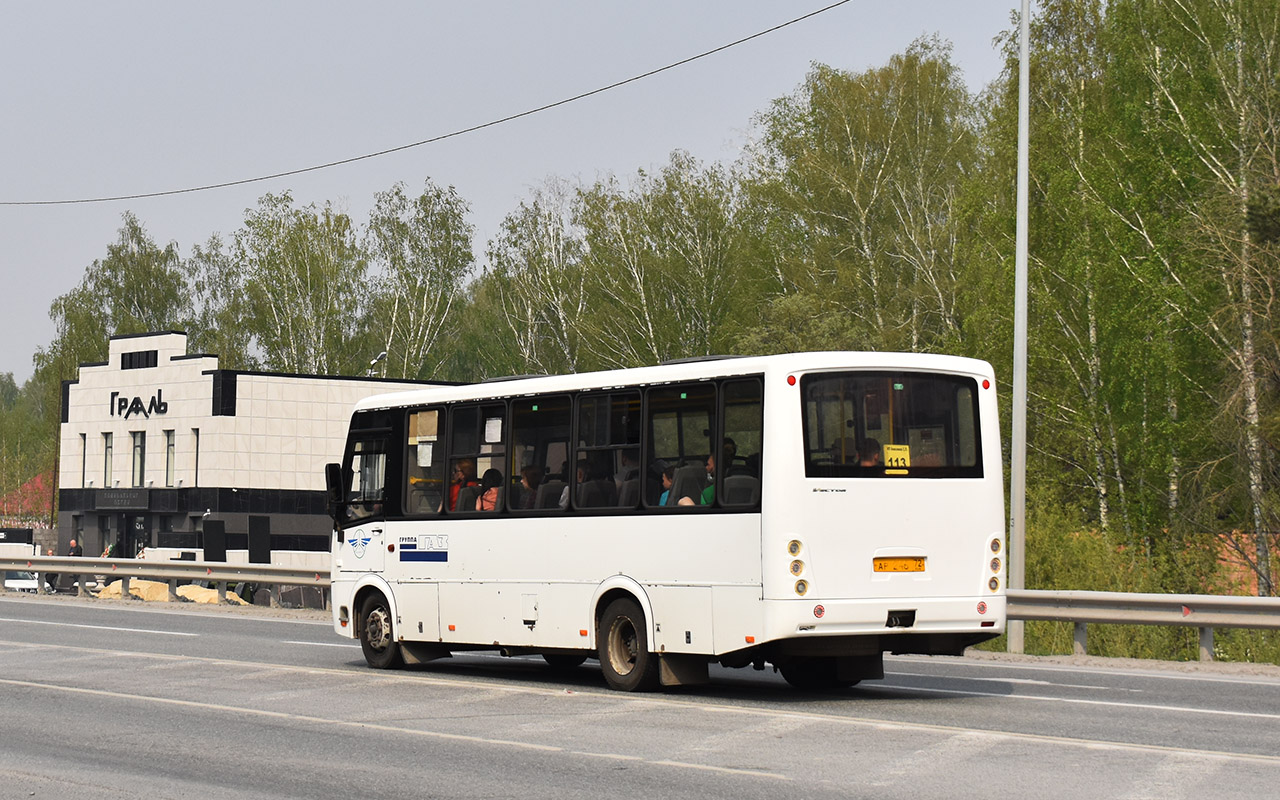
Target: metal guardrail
x=1202, y=611
x=216, y=572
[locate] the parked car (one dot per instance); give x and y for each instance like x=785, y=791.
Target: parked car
x=21, y=582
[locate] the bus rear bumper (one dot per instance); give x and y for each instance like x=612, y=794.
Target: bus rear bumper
x=886, y=617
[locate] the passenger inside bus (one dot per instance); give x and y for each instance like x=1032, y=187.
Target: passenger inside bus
x=530, y=479
x=668, y=475
x=490, y=491
x=870, y=453
x=464, y=475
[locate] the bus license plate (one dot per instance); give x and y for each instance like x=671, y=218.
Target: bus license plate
x=899, y=564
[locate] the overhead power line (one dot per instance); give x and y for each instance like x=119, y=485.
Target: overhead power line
x=433, y=139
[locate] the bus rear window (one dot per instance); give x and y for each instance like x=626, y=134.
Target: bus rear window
x=873, y=424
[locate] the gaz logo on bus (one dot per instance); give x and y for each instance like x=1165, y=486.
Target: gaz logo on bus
x=424, y=547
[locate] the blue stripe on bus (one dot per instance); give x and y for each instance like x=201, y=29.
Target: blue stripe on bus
x=424, y=555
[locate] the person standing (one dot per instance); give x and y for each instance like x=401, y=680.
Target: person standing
x=75, y=551
x=50, y=578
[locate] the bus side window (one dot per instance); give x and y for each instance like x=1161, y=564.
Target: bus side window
x=679, y=427
x=540, y=439
x=608, y=449
x=424, y=466
x=742, y=408
x=476, y=446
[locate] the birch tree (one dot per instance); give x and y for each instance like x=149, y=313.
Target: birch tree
x=663, y=264
x=861, y=173
x=538, y=281
x=420, y=249
x=1206, y=81
x=303, y=278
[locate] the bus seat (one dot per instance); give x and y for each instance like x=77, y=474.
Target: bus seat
x=741, y=490
x=688, y=482
x=629, y=494
x=598, y=494
x=467, y=498
x=549, y=494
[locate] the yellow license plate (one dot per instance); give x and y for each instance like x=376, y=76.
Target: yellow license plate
x=899, y=564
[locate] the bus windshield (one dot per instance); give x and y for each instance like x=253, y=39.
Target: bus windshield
x=890, y=424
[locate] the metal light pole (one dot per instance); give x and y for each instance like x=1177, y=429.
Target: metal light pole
x=1018, y=442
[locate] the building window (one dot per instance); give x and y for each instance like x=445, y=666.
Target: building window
x=106, y=460
x=84, y=456
x=139, y=360
x=195, y=473
x=139, y=457
x=168, y=458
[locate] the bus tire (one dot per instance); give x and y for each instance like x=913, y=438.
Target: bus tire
x=814, y=674
x=623, y=645
x=377, y=636
x=561, y=662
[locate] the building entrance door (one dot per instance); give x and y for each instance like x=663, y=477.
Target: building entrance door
x=135, y=534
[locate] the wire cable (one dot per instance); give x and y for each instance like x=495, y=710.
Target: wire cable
x=433, y=139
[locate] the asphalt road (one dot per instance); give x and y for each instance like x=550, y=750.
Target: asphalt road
x=115, y=699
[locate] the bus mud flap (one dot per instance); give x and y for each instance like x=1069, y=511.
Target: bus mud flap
x=681, y=670
x=421, y=652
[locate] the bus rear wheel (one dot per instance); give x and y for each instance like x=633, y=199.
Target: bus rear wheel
x=623, y=643
x=377, y=637
x=815, y=674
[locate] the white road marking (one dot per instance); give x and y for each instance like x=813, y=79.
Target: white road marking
x=1080, y=701
x=325, y=644
x=97, y=627
x=1019, y=681
x=1095, y=669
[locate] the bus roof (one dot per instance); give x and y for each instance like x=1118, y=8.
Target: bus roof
x=685, y=370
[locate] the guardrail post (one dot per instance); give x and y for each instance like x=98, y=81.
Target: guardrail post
x=1081, y=638
x=1206, y=644
x=124, y=588
x=173, y=590
x=275, y=595
x=80, y=587
x=222, y=592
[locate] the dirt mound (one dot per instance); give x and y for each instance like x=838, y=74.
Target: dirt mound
x=158, y=592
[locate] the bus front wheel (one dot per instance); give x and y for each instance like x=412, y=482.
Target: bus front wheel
x=377, y=637
x=623, y=642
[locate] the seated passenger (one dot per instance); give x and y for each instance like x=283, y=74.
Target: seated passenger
x=581, y=478
x=489, y=487
x=869, y=453
x=464, y=474
x=709, y=493
x=668, y=475
x=530, y=479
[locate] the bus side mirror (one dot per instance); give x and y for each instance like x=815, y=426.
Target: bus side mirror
x=333, y=484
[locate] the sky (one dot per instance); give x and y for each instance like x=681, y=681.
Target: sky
x=105, y=99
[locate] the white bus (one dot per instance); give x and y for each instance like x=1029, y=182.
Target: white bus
x=808, y=511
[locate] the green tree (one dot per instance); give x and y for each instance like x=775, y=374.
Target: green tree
x=420, y=249
x=301, y=274
x=663, y=264
x=861, y=177
x=536, y=282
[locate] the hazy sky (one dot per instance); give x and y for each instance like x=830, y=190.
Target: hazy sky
x=102, y=99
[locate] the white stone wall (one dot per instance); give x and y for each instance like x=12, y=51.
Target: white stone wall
x=284, y=431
